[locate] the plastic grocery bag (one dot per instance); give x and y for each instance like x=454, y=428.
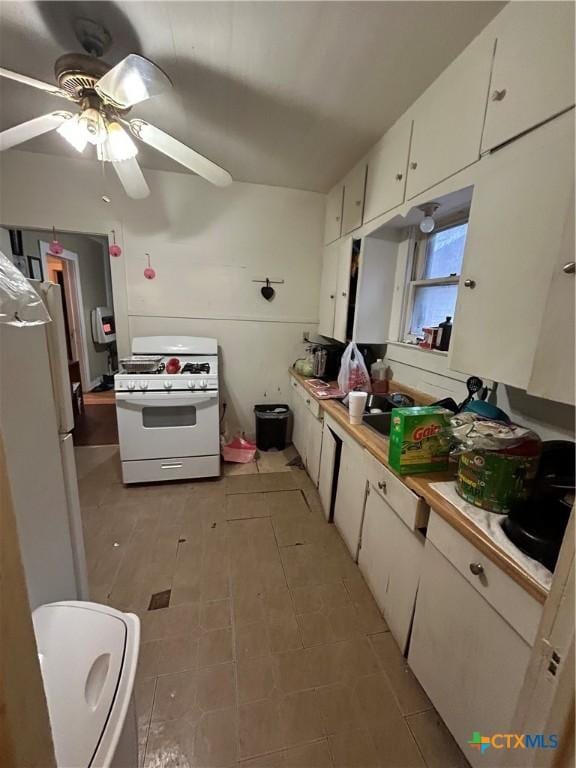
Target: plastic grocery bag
x=353, y=372
x=239, y=450
x=19, y=302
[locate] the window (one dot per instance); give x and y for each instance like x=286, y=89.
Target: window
x=433, y=285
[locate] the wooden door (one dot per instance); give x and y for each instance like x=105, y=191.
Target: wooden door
x=553, y=369
x=314, y=448
x=327, y=303
x=354, y=188
x=533, y=73
x=515, y=233
x=468, y=659
x=349, y=506
x=342, y=289
x=333, y=224
x=387, y=168
x=448, y=119
x=390, y=558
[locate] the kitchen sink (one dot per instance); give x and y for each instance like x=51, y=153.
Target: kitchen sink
x=380, y=422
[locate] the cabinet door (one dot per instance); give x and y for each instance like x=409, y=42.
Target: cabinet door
x=555, y=345
x=333, y=225
x=350, y=496
x=468, y=659
x=314, y=448
x=326, y=477
x=354, y=186
x=515, y=233
x=342, y=289
x=328, y=290
x=300, y=428
x=390, y=557
x=533, y=73
x=448, y=119
x=387, y=166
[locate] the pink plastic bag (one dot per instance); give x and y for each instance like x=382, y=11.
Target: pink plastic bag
x=239, y=450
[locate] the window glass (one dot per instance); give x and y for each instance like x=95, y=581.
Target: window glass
x=432, y=305
x=444, y=252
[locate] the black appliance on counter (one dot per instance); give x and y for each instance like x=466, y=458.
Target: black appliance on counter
x=326, y=359
x=537, y=526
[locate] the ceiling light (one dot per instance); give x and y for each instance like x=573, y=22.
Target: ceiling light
x=428, y=224
x=118, y=145
x=74, y=132
x=94, y=125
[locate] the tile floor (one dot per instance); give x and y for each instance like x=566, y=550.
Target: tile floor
x=271, y=652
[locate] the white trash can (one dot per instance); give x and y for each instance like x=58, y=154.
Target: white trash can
x=88, y=656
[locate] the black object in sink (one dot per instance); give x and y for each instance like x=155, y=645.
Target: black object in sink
x=380, y=422
x=387, y=402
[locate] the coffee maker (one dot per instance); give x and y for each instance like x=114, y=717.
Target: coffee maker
x=326, y=360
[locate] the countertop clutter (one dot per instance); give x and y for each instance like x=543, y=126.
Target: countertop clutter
x=423, y=485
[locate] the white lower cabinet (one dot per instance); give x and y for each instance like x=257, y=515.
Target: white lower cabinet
x=351, y=495
x=327, y=462
x=314, y=447
x=307, y=429
x=467, y=656
x=390, y=557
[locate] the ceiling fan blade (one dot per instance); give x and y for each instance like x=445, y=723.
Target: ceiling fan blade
x=32, y=128
x=132, y=178
x=187, y=157
x=53, y=89
x=131, y=81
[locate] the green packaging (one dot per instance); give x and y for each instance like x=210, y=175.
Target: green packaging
x=496, y=480
x=419, y=440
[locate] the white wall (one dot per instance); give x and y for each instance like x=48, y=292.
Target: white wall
x=206, y=245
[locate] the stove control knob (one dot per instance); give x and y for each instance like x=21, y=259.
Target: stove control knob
x=131, y=386
x=191, y=385
x=167, y=385
x=203, y=384
x=144, y=386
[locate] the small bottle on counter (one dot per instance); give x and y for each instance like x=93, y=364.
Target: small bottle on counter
x=444, y=334
x=378, y=374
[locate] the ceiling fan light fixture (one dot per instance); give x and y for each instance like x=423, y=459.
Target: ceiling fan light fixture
x=74, y=133
x=118, y=145
x=94, y=126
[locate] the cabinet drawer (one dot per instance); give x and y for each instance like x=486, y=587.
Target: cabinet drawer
x=409, y=507
x=311, y=403
x=507, y=597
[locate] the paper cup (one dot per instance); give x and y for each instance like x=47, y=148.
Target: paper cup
x=356, y=405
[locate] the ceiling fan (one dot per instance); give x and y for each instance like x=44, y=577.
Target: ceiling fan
x=105, y=96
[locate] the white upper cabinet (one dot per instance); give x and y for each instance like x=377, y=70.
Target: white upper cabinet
x=328, y=290
x=387, y=166
x=333, y=224
x=517, y=238
x=553, y=369
x=448, y=119
x=343, y=290
x=533, y=73
x=354, y=188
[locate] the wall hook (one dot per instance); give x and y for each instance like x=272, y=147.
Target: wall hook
x=267, y=291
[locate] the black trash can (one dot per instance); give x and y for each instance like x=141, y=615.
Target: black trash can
x=271, y=426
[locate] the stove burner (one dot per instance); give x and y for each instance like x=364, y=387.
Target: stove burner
x=196, y=368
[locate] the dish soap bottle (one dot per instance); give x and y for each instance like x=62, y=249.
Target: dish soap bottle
x=378, y=376
x=444, y=334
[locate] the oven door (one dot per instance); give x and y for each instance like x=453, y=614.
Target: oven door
x=167, y=425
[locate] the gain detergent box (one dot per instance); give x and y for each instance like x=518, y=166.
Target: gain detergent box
x=419, y=439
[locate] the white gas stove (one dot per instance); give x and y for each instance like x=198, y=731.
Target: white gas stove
x=167, y=403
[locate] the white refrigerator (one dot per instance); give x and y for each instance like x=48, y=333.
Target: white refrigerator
x=36, y=421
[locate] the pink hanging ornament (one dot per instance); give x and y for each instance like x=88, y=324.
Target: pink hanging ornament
x=149, y=273
x=55, y=247
x=114, y=249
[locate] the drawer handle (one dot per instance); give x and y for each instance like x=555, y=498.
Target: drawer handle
x=171, y=466
x=399, y=176
x=308, y=402
x=413, y=165
x=470, y=283
x=477, y=569
x=498, y=95
x=382, y=486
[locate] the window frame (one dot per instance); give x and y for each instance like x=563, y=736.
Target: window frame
x=415, y=270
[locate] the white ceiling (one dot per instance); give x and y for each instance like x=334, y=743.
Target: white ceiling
x=283, y=93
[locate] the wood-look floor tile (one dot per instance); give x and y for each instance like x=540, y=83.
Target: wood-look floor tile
x=261, y=483
x=215, y=615
x=354, y=749
x=215, y=647
x=171, y=745
x=316, y=755
x=171, y=621
x=300, y=717
x=259, y=725
x=339, y=709
x=255, y=679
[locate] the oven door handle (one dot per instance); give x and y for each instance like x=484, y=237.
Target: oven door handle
x=126, y=399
